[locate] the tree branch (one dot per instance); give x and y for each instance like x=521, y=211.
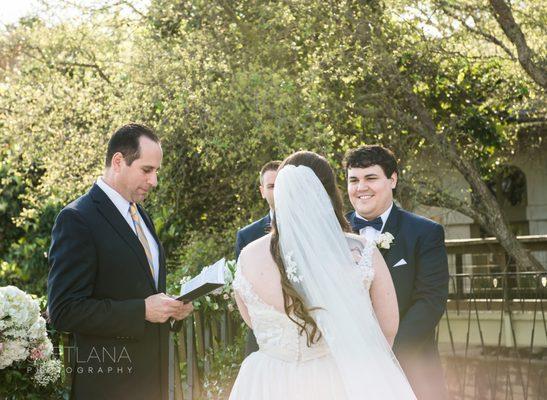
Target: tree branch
x=55, y=64
x=226, y=6
x=504, y=16
x=438, y=198
x=84, y=65
x=489, y=37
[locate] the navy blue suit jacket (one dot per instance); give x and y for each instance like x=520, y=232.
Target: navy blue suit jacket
x=245, y=236
x=421, y=283
x=251, y=233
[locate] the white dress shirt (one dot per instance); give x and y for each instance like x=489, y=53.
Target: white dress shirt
x=123, y=207
x=371, y=234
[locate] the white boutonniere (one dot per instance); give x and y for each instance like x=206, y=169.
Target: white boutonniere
x=384, y=240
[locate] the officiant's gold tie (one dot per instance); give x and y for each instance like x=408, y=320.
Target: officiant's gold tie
x=140, y=234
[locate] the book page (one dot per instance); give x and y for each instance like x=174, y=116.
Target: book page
x=212, y=274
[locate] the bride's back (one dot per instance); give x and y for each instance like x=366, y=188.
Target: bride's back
x=298, y=371
x=260, y=301
x=260, y=270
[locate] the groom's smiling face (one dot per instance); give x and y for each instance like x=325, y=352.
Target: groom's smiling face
x=370, y=190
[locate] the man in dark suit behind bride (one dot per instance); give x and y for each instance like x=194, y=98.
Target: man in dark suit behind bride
x=106, y=284
x=416, y=258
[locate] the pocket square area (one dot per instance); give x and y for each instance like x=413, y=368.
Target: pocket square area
x=400, y=263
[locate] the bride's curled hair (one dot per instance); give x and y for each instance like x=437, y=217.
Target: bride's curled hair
x=295, y=308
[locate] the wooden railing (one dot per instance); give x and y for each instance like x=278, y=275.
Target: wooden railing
x=493, y=335
x=486, y=256
x=201, y=338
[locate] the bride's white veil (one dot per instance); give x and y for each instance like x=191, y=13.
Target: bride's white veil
x=315, y=248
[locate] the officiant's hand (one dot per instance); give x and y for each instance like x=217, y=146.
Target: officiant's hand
x=160, y=307
x=183, y=311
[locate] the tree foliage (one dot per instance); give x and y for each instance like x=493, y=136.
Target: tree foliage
x=231, y=85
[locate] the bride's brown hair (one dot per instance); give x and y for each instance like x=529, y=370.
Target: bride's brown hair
x=296, y=310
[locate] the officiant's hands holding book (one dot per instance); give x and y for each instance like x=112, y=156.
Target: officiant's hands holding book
x=160, y=307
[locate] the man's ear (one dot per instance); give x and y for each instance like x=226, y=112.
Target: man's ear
x=117, y=160
x=261, y=188
x=394, y=178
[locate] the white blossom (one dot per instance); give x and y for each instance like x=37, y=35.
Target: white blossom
x=13, y=351
x=384, y=240
x=228, y=275
x=291, y=268
x=217, y=291
x=37, y=329
x=47, y=372
x=185, y=279
x=24, y=335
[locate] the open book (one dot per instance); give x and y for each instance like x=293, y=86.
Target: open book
x=209, y=279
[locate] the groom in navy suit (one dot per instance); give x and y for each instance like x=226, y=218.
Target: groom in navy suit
x=416, y=259
x=259, y=228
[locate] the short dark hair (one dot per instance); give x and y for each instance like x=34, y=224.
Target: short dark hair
x=367, y=156
x=126, y=141
x=269, y=166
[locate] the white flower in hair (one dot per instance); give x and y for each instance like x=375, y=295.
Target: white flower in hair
x=291, y=268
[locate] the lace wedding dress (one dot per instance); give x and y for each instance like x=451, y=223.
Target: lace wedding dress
x=284, y=367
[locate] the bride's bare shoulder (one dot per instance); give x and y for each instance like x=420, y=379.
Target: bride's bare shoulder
x=256, y=254
x=256, y=261
x=257, y=247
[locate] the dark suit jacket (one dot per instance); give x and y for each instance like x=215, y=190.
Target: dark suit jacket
x=98, y=280
x=422, y=290
x=251, y=233
x=245, y=236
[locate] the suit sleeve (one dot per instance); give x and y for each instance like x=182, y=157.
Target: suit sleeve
x=240, y=244
x=430, y=293
x=73, y=265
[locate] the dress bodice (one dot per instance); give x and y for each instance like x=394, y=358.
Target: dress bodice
x=275, y=333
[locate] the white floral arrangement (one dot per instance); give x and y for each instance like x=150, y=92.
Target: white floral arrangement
x=227, y=291
x=23, y=337
x=384, y=240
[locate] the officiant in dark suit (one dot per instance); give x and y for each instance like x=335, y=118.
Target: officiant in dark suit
x=107, y=278
x=259, y=228
x=416, y=259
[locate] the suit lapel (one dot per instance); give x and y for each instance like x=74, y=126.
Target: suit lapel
x=391, y=226
x=120, y=225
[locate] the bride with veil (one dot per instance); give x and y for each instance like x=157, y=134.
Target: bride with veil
x=320, y=301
